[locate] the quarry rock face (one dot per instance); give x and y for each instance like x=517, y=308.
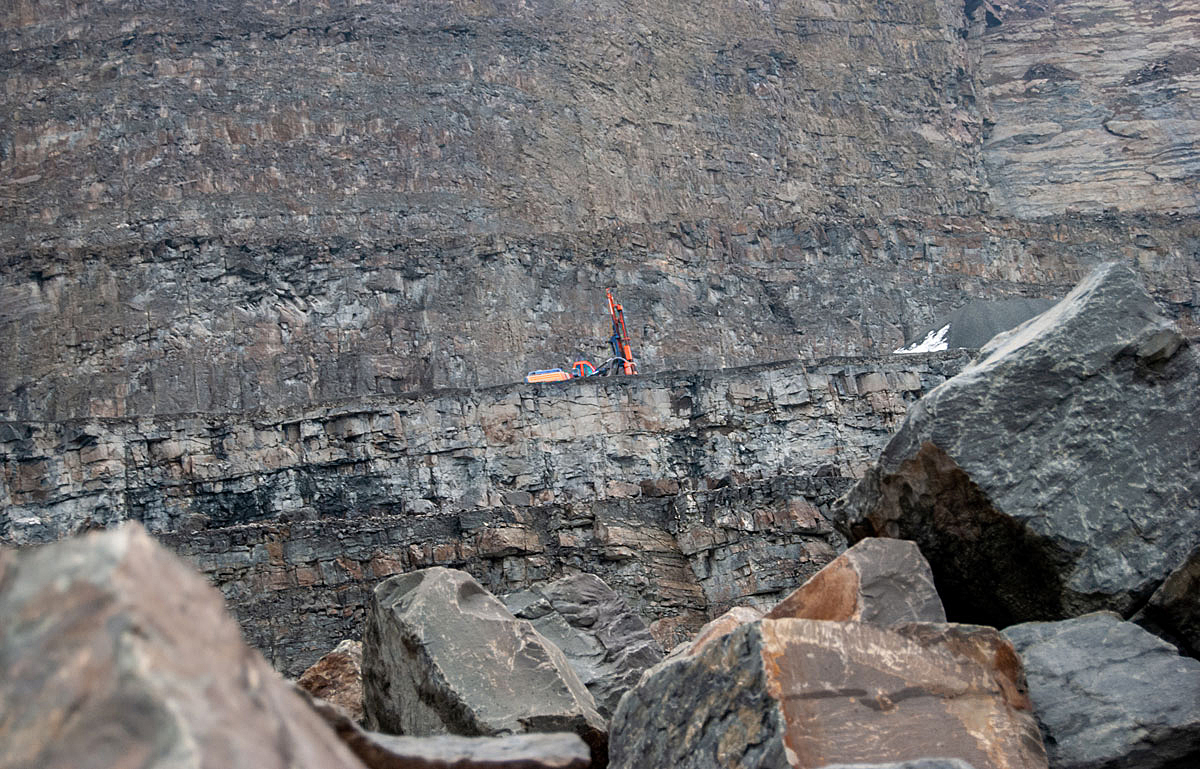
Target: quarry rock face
x=337, y=201
x=1108, y=694
x=441, y=655
x=1056, y=474
x=806, y=693
x=687, y=493
x=114, y=653
x=607, y=644
x=880, y=581
x=337, y=678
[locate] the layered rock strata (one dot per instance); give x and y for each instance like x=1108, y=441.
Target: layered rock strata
x=687, y=493
x=214, y=208
x=607, y=644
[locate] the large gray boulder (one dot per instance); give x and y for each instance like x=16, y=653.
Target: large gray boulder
x=1109, y=695
x=441, y=655
x=606, y=643
x=1057, y=474
x=113, y=652
x=808, y=693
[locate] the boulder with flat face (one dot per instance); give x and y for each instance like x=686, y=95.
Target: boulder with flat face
x=806, y=694
x=441, y=655
x=1057, y=474
x=607, y=644
x=114, y=653
x=881, y=581
x=1109, y=695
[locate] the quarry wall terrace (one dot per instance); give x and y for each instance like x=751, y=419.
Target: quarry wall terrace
x=687, y=491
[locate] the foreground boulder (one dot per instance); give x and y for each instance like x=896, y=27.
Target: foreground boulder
x=607, y=644
x=881, y=581
x=441, y=655
x=1109, y=695
x=806, y=694
x=559, y=750
x=1057, y=474
x=337, y=678
x=114, y=653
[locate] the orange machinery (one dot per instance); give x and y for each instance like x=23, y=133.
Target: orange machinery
x=622, y=354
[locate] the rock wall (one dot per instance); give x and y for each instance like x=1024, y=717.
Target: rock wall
x=687, y=492
x=217, y=209
x=1092, y=106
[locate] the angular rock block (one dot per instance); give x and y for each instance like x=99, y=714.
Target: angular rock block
x=441, y=655
x=880, y=581
x=114, y=653
x=1109, y=695
x=806, y=694
x=337, y=678
x=1057, y=474
x=607, y=644
x=559, y=750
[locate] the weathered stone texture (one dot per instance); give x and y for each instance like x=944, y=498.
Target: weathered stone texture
x=1093, y=105
x=607, y=644
x=441, y=655
x=337, y=678
x=880, y=581
x=1108, y=695
x=1057, y=474
x=114, y=653
x=805, y=694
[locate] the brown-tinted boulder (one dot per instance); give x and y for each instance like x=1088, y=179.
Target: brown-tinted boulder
x=557, y=750
x=806, y=694
x=881, y=581
x=441, y=655
x=337, y=678
x=114, y=653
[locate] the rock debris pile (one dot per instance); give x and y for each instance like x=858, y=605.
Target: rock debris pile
x=1054, y=476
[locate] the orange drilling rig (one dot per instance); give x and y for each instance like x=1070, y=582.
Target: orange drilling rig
x=621, y=362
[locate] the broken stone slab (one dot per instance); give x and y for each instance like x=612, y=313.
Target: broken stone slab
x=1110, y=695
x=881, y=581
x=337, y=678
x=114, y=653
x=561, y=750
x=441, y=655
x=1057, y=474
x=808, y=693
x=607, y=644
